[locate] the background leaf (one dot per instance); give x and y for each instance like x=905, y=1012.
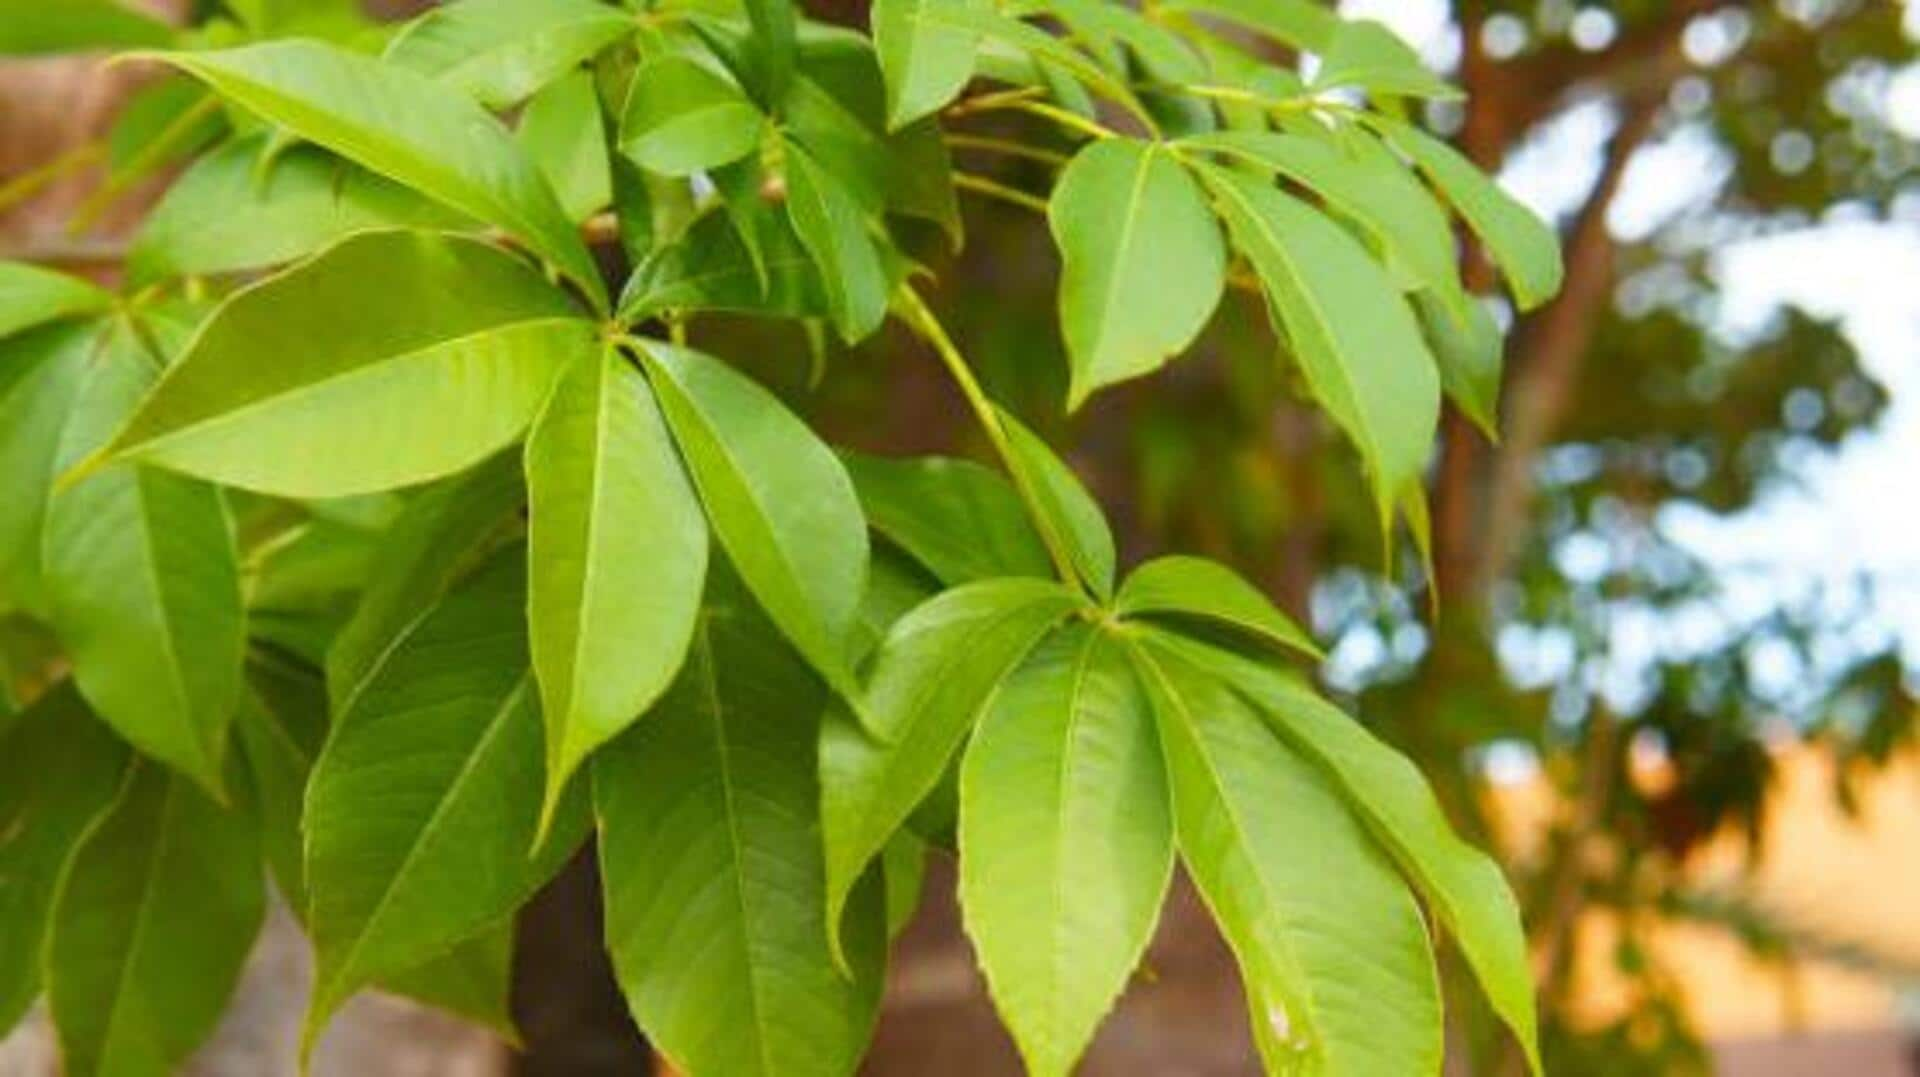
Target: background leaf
x=31, y=296
x=962, y=521
x=503, y=51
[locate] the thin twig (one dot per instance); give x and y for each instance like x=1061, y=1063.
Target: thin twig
x=967, y=181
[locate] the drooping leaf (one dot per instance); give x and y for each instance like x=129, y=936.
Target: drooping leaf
x=833, y=229
x=1069, y=511
x=561, y=131
x=423, y=806
x=926, y=64
x=1354, y=336
x=771, y=48
x=1463, y=886
x=1066, y=841
x=233, y=211
x=144, y=582
x=504, y=51
x=31, y=296
x=682, y=118
x=903, y=868
x=714, y=883
x=778, y=499
x=406, y=127
x=712, y=267
x=153, y=921
x=1520, y=243
x=1143, y=262
x=934, y=673
x=41, y=373
x=1331, y=947
x=30, y=27
x=1366, y=55
x=381, y=334
x=960, y=520
x=443, y=535
x=59, y=771
x=473, y=980
x=1470, y=351
x=617, y=552
x=1206, y=590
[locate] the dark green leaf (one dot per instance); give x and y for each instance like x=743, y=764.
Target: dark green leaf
x=712, y=267
x=833, y=228
x=960, y=520
x=712, y=866
x=153, y=921
x=40, y=377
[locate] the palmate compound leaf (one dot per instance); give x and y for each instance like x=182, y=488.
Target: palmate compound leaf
x=617, y=551
x=1066, y=841
x=423, y=807
x=406, y=127
x=503, y=51
x=932, y=676
x=154, y=918
x=1144, y=266
x=60, y=769
x=711, y=860
x=398, y=357
x=1463, y=886
x=1338, y=968
x=143, y=579
x=1352, y=333
x=777, y=498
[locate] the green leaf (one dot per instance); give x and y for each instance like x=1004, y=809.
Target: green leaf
x=503, y=51
x=771, y=47
x=778, y=499
x=153, y=922
x=1366, y=55
x=30, y=27
x=561, y=131
x=59, y=770
x=712, y=866
x=682, y=118
x=1463, y=886
x=1520, y=243
x=617, y=557
x=245, y=206
x=903, y=867
x=1395, y=209
x=31, y=296
x=960, y=520
x=1046, y=50
x=1335, y=957
x=444, y=534
x=833, y=229
x=144, y=583
x=398, y=357
x=1470, y=351
x=712, y=267
x=1195, y=587
x=1067, y=510
x=1353, y=334
x=423, y=806
x=405, y=127
x=41, y=373
x=1066, y=842
x=1143, y=262
x=282, y=726
x=934, y=674
x=926, y=64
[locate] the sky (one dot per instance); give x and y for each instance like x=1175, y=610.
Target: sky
x=1840, y=515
